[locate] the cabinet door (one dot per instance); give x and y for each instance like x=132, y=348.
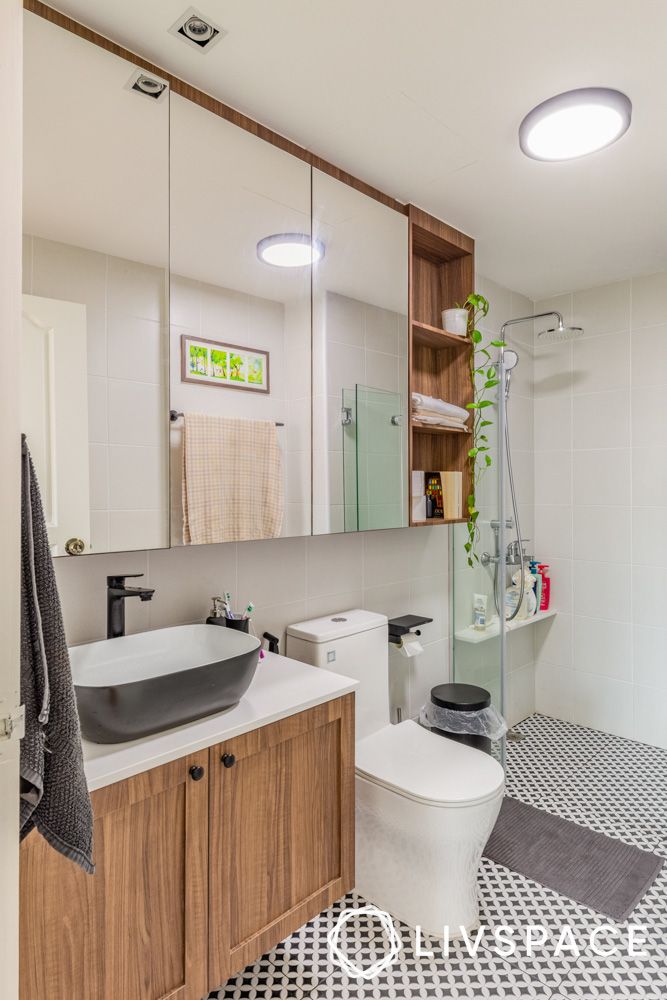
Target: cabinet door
x=137, y=929
x=281, y=831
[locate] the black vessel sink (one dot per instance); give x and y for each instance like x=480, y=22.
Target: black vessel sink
x=141, y=684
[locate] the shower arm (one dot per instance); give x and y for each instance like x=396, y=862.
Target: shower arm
x=527, y=319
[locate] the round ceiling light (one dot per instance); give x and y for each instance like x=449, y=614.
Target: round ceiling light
x=290, y=250
x=575, y=123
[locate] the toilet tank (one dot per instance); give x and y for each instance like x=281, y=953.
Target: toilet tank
x=353, y=643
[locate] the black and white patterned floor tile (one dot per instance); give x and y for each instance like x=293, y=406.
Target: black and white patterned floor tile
x=608, y=784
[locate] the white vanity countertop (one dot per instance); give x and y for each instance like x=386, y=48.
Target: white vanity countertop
x=280, y=687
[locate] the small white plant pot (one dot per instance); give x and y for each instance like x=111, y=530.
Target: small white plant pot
x=455, y=321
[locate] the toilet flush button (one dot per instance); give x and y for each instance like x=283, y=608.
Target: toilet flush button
x=331, y=656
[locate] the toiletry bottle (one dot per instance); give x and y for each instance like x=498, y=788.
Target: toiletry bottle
x=535, y=570
x=545, y=596
x=217, y=615
x=479, y=611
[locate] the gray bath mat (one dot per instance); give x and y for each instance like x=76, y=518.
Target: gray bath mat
x=605, y=874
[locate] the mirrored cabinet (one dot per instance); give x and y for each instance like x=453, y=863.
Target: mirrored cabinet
x=221, y=333
x=95, y=280
x=239, y=333
x=360, y=361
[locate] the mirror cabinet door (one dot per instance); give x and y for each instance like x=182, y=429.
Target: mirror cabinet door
x=94, y=349
x=360, y=361
x=240, y=333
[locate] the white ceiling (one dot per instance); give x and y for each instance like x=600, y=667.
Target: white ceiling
x=424, y=101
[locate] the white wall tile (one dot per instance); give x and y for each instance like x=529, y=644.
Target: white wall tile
x=186, y=578
x=603, y=647
x=602, y=590
x=98, y=431
x=603, y=534
x=428, y=669
x=553, y=477
x=136, y=289
x=649, y=294
x=267, y=569
x=601, y=420
x=137, y=413
x=650, y=716
x=604, y=309
x=380, y=330
x=82, y=584
x=649, y=536
x=135, y=478
x=553, y=423
x=649, y=355
x=136, y=348
x=649, y=660
x=334, y=564
x=553, y=640
x=649, y=476
x=553, y=532
x=603, y=477
x=601, y=363
x=520, y=695
x=649, y=595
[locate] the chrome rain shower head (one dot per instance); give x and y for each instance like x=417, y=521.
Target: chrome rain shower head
x=560, y=333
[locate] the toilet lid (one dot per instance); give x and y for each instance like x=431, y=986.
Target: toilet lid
x=426, y=767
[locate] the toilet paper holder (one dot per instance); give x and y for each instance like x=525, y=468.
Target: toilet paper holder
x=398, y=627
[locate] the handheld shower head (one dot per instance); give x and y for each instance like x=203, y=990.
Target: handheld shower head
x=510, y=361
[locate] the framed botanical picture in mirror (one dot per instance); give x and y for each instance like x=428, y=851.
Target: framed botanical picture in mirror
x=229, y=366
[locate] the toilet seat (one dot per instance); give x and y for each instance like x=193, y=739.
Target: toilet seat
x=427, y=768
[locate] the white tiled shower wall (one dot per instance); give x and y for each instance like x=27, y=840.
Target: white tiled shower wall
x=601, y=510
x=127, y=384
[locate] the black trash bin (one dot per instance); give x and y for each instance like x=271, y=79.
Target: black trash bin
x=462, y=698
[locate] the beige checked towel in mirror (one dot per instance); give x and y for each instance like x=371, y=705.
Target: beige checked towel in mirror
x=232, y=483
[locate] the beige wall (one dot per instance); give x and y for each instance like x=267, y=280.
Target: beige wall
x=10, y=312
x=601, y=510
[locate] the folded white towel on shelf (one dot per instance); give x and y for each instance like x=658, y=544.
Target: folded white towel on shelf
x=434, y=405
x=437, y=420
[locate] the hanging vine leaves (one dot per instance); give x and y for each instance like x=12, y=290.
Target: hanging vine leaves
x=481, y=368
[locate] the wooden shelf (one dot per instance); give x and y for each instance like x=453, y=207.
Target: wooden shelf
x=435, y=429
x=433, y=336
x=442, y=273
x=439, y=520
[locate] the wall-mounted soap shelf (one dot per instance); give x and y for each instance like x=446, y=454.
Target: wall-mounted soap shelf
x=474, y=635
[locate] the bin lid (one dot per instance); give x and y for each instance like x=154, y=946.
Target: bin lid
x=460, y=697
x=422, y=766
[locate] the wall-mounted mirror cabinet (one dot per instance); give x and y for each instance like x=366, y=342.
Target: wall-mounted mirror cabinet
x=215, y=333
x=96, y=246
x=360, y=361
x=240, y=333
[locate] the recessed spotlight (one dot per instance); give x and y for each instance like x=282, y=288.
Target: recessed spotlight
x=199, y=31
x=575, y=123
x=290, y=250
x=147, y=86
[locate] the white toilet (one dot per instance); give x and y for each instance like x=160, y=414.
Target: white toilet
x=425, y=804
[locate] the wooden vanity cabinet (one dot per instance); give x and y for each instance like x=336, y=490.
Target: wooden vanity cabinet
x=137, y=929
x=281, y=831
x=262, y=846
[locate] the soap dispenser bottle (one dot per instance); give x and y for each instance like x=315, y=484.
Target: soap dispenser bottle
x=217, y=615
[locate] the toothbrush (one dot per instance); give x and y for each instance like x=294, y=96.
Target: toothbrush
x=248, y=611
x=228, y=604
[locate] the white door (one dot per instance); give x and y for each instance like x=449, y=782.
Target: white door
x=54, y=413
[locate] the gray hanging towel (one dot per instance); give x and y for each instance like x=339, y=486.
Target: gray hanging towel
x=54, y=792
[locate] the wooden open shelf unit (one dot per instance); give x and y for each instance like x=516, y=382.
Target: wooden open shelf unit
x=442, y=274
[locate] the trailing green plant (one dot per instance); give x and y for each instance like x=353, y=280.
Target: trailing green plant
x=484, y=375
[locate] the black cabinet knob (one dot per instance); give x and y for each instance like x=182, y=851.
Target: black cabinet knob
x=228, y=760
x=197, y=772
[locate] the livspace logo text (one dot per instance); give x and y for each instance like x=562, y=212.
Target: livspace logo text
x=602, y=940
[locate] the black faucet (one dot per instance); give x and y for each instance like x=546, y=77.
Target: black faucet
x=116, y=594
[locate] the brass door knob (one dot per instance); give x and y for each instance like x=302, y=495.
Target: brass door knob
x=75, y=546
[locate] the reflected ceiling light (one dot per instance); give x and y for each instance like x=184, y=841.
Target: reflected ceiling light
x=290, y=250
x=575, y=123
x=147, y=86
